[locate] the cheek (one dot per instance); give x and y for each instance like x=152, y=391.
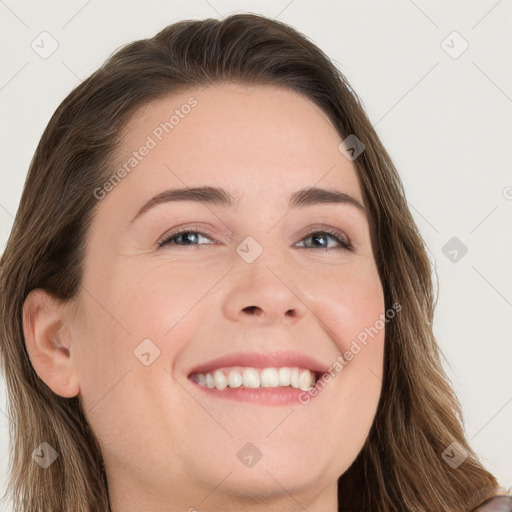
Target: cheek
x=350, y=304
x=121, y=395
x=134, y=323
x=351, y=308
x=356, y=386
x=154, y=299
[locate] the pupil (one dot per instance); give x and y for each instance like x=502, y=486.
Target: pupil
x=189, y=237
x=317, y=237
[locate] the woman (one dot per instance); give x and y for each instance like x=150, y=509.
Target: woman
x=288, y=360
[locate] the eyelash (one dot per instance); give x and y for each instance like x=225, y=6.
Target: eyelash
x=332, y=232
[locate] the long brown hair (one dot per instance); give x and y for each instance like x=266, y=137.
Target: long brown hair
x=400, y=468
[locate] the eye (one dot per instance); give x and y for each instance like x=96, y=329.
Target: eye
x=320, y=236
x=188, y=237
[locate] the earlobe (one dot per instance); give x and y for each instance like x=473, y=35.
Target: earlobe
x=44, y=324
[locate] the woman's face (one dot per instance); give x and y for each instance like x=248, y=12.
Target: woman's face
x=253, y=286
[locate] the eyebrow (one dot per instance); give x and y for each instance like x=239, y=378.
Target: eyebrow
x=219, y=196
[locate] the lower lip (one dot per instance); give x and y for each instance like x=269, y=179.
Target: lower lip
x=264, y=396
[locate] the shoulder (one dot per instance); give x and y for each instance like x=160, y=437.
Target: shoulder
x=501, y=503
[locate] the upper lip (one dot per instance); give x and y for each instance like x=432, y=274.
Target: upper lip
x=258, y=360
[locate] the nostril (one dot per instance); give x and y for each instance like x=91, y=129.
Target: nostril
x=252, y=309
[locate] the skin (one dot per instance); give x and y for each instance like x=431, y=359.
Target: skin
x=167, y=446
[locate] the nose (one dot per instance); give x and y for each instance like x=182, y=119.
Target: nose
x=263, y=296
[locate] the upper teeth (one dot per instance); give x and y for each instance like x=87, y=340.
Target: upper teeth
x=257, y=377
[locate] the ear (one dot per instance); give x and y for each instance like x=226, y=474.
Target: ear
x=48, y=345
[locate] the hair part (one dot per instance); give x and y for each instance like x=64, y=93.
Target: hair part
x=400, y=465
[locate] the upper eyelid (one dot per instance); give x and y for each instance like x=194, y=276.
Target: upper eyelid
x=177, y=231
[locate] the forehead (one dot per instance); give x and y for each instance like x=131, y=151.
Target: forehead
x=261, y=144
x=242, y=135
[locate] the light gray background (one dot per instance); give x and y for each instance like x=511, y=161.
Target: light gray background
x=447, y=123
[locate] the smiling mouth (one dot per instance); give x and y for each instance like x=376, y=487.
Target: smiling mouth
x=254, y=378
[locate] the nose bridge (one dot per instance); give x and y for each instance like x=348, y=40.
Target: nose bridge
x=263, y=288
